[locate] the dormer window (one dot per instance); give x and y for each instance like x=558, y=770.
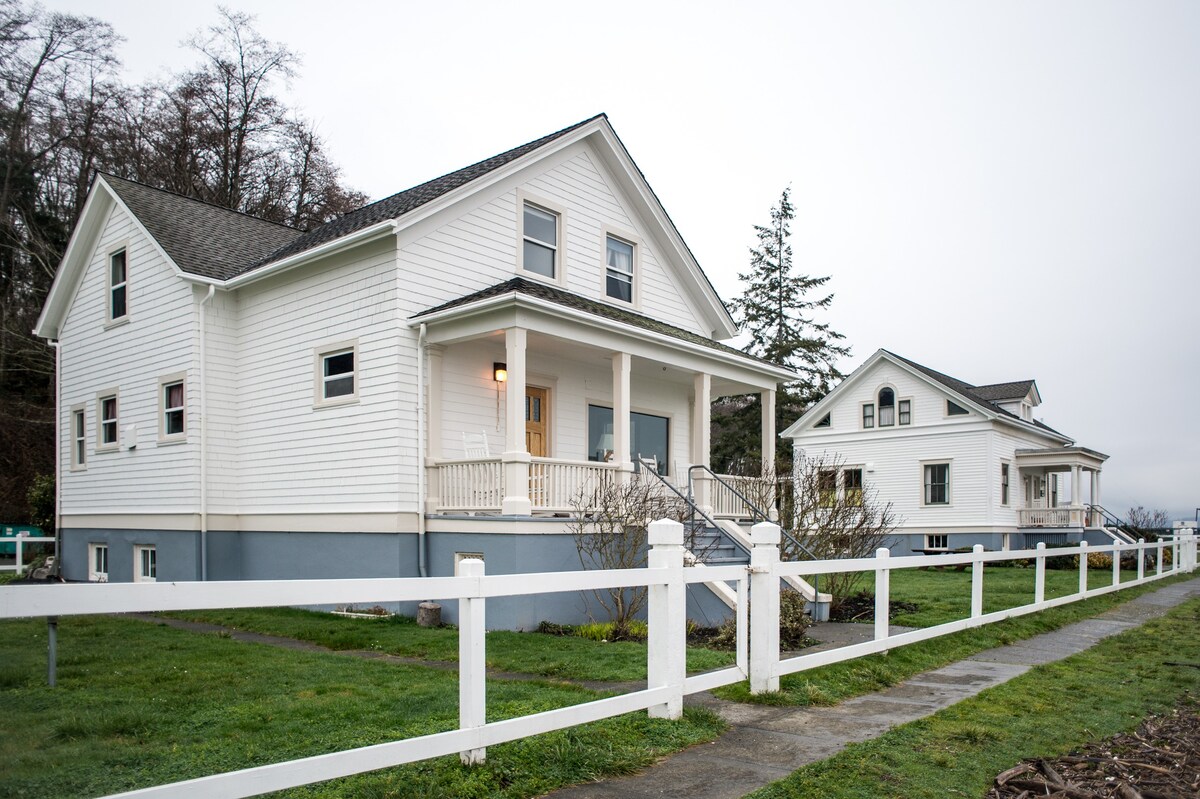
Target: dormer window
x=540, y=241
x=618, y=276
x=887, y=407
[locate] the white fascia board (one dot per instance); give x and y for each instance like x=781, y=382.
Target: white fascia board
x=816, y=411
x=778, y=373
x=636, y=179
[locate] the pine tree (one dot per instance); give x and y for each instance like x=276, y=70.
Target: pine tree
x=777, y=313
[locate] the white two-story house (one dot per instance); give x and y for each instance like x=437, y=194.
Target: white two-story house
x=960, y=464
x=438, y=373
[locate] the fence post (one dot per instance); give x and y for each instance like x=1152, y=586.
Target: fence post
x=1160, y=543
x=764, y=608
x=1116, y=566
x=1141, y=559
x=1039, y=574
x=17, y=542
x=883, y=593
x=1083, y=567
x=666, y=642
x=976, y=581
x=472, y=663
x=1189, y=547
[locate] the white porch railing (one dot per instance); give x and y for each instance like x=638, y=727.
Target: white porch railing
x=475, y=484
x=557, y=485
x=667, y=682
x=1050, y=517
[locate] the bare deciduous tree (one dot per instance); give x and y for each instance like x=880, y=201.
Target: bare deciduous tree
x=1147, y=521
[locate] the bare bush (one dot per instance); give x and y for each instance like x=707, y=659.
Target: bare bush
x=609, y=525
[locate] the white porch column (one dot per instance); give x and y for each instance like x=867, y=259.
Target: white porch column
x=433, y=424
x=516, y=457
x=701, y=440
x=621, y=362
x=1096, y=496
x=768, y=431
x=1076, y=495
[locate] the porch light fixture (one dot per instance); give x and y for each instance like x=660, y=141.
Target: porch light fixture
x=500, y=372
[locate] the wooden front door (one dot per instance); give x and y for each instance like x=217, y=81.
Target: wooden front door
x=537, y=421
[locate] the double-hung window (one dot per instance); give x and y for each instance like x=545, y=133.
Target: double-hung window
x=539, y=229
x=107, y=422
x=905, y=414
x=868, y=415
x=618, y=275
x=826, y=488
x=852, y=485
x=937, y=484
x=1004, y=484
x=172, y=418
x=118, y=286
x=78, y=437
x=337, y=374
x=887, y=407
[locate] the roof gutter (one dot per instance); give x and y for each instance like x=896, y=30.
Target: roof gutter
x=554, y=309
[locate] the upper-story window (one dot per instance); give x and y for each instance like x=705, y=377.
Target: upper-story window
x=826, y=421
x=337, y=374
x=107, y=423
x=954, y=409
x=937, y=484
x=904, y=416
x=618, y=276
x=118, y=286
x=1004, y=484
x=172, y=419
x=887, y=407
x=868, y=409
x=540, y=241
x=78, y=437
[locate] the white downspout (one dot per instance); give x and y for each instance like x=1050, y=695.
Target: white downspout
x=204, y=439
x=58, y=473
x=421, y=566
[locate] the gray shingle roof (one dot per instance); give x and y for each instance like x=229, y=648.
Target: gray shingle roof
x=408, y=200
x=200, y=238
x=983, y=395
x=1018, y=389
x=543, y=291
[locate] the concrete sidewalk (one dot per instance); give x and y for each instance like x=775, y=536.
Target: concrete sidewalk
x=765, y=744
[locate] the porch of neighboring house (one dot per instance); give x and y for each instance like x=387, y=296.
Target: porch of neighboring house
x=529, y=418
x=1038, y=472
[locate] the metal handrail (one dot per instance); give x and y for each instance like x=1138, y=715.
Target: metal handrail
x=756, y=513
x=639, y=468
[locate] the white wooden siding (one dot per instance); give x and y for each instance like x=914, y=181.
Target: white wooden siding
x=294, y=457
x=478, y=248
x=224, y=390
x=159, y=339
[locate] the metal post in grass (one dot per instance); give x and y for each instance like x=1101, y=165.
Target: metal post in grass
x=52, y=651
x=1083, y=567
x=976, y=581
x=883, y=591
x=1039, y=574
x=472, y=665
x=1141, y=559
x=666, y=612
x=764, y=608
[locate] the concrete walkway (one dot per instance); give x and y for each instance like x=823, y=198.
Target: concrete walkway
x=765, y=744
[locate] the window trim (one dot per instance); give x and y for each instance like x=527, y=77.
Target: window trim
x=138, y=549
x=900, y=412
x=929, y=541
x=122, y=248
x=319, y=356
x=948, y=463
x=163, y=382
x=95, y=576
x=635, y=294
x=560, y=249
x=77, y=439
x=115, y=444
x=1005, y=483
x=862, y=418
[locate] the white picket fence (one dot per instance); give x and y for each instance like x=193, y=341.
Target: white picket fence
x=667, y=578
x=20, y=542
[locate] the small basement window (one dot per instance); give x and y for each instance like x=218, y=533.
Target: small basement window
x=98, y=563
x=937, y=541
x=145, y=564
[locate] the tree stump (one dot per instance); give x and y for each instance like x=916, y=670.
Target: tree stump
x=429, y=614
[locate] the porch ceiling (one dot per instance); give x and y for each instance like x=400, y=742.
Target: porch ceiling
x=1060, y=459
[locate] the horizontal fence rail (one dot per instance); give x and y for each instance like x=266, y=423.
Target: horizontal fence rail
x=18, y=544
x=666, y=579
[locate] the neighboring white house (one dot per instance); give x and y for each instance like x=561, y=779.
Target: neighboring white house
x=432, y=375
x=960, y=464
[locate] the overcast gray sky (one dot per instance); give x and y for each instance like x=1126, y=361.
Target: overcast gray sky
x=1000, y=191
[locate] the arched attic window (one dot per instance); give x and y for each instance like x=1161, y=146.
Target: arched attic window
x=887, y=407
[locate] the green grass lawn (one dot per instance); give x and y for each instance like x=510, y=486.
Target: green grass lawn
x=944, y=596
x=142, y=704
x=564, y=657
x=1044, y=713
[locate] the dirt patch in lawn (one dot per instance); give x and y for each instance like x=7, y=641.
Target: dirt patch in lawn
x=1158, y=760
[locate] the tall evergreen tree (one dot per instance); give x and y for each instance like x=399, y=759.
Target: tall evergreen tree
x=776, y=310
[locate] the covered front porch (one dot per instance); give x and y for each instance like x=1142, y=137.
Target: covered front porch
x=1045, y=506
x=531, y=404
